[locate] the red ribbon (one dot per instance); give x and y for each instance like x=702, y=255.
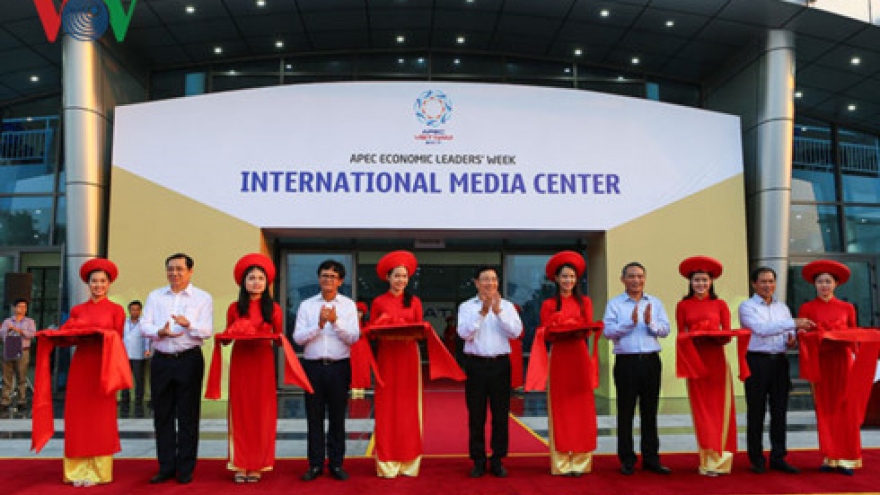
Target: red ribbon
x=440, y=363
x=689, y=363
x=558, y=327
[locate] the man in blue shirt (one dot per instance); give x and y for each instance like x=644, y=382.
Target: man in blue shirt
x=634, y=321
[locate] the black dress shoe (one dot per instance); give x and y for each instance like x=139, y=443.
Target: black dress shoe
x=161, y=477
x=497, y=469
x=846, y=471
x=657, y=468
x=627, y=470
x=311, y=474
x=338, y=473
x=185, y=478
x=479, y=470
x=758, y=468
x=783, y=466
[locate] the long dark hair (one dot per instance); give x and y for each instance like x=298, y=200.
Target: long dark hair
x=575, y=293
x=267, y=305
x=691, y=292
x=407, y=295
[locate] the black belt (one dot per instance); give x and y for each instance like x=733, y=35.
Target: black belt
x=176, y=355
x=326, y=361
x=487, y=358
x=639, y=356
x=766, y=355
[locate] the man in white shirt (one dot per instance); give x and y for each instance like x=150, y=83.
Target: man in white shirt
x=23, y=329
x=138, y=349
x=177, y=319
x=326, y=327
x=486, y=323
x=773, y=332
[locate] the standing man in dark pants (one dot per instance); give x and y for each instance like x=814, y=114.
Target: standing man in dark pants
x=326, y=327
x=138, y=349
x=635, y=321
x=177, y=318
x=773, y=332
x=486, y=323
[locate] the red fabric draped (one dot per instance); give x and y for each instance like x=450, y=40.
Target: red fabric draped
x=99, y=369
x=362, y=362
x=398, y=399
x=839, y=359
x=570, y=373
x=516, y=362
x=689, y=362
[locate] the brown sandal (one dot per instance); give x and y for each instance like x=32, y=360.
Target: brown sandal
x=254, y=477
x=240, y=477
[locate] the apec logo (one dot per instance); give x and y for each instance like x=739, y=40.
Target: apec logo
x=433, y=108
x=84, y=20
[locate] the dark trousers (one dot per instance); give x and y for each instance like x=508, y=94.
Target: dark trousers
x=637, y=379
x=176, y=389
x=138, y=376
x=488, y=383
x=330, y=382
x=769, y=381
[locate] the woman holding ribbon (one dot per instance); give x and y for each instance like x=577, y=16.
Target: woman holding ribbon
x=571, y=373
x=253, y=322
x=398, y=393
x=840, y=368
x=98, y=370
x=702, y=361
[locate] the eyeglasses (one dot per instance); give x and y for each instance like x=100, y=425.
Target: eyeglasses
x=329, y=276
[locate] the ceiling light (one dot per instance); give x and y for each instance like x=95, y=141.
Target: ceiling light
x=568, y=70
x=460, y=40
x=218, y=50
x=604, y=13
x=35, y=78
x=578, y=52
x=456, y=61
x=261, y=3
x=279, y=44
x=670, y=23
x=636, y=61
x=621, y=78
x=401, y=38
x=421, y=60
x=855, y=61
x=190, y=9
x=798, y=94
x=288, y=67
x=400, y=61
x=232, y=72
x=851, y=107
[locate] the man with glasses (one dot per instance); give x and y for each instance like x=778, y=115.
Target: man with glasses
x=326, y=327
x=486, y=323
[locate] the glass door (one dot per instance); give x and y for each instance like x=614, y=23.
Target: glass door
x=860, y=290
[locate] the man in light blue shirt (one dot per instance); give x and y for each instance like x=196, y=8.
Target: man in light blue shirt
x=634, y=321
x=773, y=332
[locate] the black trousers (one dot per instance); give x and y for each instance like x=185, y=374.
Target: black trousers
x=138, y=376
x=769, y=382
x=176, y=389
x=637, y=379
x=488, y=383
x=330, y=381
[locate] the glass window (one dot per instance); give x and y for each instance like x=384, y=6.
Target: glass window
x=60, y=234
x=25, y=220
x=28, y=147
x=857, y=291
x=859, y=156
x=814, y=229
x=812, y=163
x=863, y=229
x=7, y=265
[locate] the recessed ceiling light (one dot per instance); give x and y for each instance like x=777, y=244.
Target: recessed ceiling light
x=670, y=23
x=261, y=3
x=232, y=72
x=621, y=78
x=568, y=70
x=35, y=78
x=855, y=61
x=190, y=9
x=279, y=44
x=400, y=61
x=457, y=61
x=401, y=38
x=851, y=107
x=798, y=94
x=604, y=13
x=460, y=40
x=578, y=52
x=421, y=60
x=218, y=50
x=288, y=66
x=636, y=61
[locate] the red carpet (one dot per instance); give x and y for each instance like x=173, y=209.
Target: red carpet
x=448, y=475
x=446, y=424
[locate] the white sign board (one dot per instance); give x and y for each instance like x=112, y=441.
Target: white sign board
x=427, y=155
